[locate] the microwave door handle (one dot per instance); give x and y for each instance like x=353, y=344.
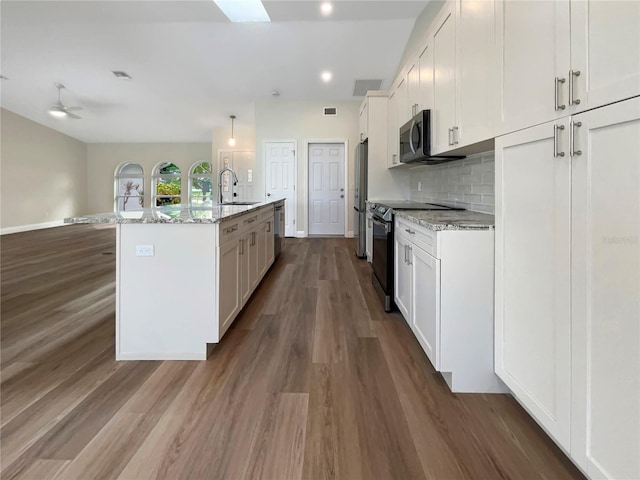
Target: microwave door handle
x=413, y=149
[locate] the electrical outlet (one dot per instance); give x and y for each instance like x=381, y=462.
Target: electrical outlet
x=144, y=250
x=419, y=186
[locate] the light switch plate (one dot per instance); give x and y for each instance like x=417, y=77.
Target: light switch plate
x=144, y=251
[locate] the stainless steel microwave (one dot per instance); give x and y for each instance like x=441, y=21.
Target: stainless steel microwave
x=415, y=142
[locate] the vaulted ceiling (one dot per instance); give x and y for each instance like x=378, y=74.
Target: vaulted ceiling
x=190, y=67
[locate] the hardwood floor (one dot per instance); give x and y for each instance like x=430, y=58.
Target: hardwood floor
x=313, y=381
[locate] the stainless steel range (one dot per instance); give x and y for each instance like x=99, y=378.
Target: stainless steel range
x=383, y=243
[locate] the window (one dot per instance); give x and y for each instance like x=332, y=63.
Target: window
x=129, y=186
x=166, y=184
x=201, y=183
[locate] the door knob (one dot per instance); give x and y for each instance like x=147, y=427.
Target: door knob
x=341, y=196
x=268, y=194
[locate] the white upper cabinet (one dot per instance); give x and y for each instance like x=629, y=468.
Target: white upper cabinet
x=393, y=144
x=425, y=93
x=443, y=119
x=476, y=71
x=402, y=99
x=534, y=43
x=605, y=50
x=413, y=89
x=563, y=57
x=364, y=120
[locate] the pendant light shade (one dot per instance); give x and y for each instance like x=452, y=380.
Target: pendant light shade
x=232, y=140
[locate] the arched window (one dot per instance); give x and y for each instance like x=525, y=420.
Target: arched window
x=201, y=183
x=129, y=186
x=166, y=184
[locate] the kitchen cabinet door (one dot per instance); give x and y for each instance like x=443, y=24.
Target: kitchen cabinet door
x=605, y=50
x=245, y=272
x=605, y=305
x=425, y=303
x=394, y=135
x=269, y=244
x=402, y=103
x=402, y=276
x=254, y=271
x=443, y=119
x=534, y=44
x=413, y=89
x=425, y=93
x=476, y=71
x=364, y=120
x=533, y=291
x=229, y=272
x=262, y=250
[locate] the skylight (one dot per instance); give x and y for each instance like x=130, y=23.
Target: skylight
x=243, y=10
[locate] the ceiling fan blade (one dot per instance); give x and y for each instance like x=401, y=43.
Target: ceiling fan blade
x=73, y=109
x=73, y=115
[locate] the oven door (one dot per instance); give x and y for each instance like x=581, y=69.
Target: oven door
x=382, y=239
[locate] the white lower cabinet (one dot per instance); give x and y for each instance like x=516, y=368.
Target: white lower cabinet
x=444, y=290
x=229, y=302
x=568, y=282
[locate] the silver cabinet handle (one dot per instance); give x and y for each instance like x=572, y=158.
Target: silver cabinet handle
x=455, y=135
x=556, y=139
x=450, y=134
x=410, y=250
x=406, y=254
x=242, y=246
x=572, y=148
x=558, y=81
x=572, y=76
x=394, y=158
x=408, y=230
x=268, y=227
x=361, y=136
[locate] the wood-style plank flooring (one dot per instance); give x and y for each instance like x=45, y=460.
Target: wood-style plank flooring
x=313, y=381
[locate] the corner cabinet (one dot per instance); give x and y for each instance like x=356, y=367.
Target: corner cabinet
x=568, y=282
x=440, y=277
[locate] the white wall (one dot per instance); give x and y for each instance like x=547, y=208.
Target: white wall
x=245, y=140
x=303, y=121
x=43, y=173
x=103, y=158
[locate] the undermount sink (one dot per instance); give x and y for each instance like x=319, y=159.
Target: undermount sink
x=239, y=203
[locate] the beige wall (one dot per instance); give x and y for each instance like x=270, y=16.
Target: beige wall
x=245, y=140
x=104, y=158
x=43, y=173
x=303, y=121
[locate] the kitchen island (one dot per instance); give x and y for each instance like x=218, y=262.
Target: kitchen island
x=183, y=273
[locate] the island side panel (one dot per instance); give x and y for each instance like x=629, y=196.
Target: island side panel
x=165, y=303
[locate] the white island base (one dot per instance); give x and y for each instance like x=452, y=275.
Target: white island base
x=179, y=286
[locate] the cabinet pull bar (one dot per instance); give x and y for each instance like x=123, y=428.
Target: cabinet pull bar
x=572, y=76
x=449, y=139
x=456, y=135
x=558, y=82
x=556, y=137
x=572, y=148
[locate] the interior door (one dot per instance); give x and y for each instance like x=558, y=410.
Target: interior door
x=326, y=189
x=280, y=163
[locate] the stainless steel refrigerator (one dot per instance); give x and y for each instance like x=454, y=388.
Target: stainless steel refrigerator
x=360, y=201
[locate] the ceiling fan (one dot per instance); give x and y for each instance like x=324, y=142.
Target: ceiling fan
x=59, y=110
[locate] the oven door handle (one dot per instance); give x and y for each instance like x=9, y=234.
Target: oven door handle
x=384, y=225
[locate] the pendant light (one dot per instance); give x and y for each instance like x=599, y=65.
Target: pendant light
x=232, y=141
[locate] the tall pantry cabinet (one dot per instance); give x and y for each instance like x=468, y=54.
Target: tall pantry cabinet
x=568, y=282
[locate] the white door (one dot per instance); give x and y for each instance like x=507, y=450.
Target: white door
x=606, y=291
x=326, y=189
x=534, y=44
x=444, y=91
x=426, y=303
x=533, y=269
x=280, y=168
x=605, y=49
x=243, y=164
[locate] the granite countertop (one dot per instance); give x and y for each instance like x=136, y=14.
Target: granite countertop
x=182, y=213
x=448, y=219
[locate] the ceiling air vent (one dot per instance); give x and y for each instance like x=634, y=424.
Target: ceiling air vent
x=330, y=111
x=363, y=86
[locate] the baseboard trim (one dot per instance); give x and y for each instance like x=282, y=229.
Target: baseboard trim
x=34, y=226
x=301, y=234
x=162, y=356
x=349, y=234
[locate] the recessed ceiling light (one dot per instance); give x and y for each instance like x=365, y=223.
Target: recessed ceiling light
x=243, y=10
x=121, y=75
x=326, y=8
x=326, y=76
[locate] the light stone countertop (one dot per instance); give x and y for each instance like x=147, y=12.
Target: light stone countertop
x=182, y=213
x=448, y=219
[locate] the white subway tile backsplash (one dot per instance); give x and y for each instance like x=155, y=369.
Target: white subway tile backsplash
x=467, y=183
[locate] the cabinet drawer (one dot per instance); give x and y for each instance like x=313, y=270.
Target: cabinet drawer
x=229, y=230
x=266, y=212
x=420, y=236
x=249, y=221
